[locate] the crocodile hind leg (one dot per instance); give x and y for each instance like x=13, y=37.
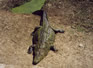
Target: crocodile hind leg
x=34, y=31
x=53, y=48
x=30, y=49
x=58, y=31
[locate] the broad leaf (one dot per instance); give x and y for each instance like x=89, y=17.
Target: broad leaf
x=29, y=7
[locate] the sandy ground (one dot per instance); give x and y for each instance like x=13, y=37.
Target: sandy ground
x=75, y=49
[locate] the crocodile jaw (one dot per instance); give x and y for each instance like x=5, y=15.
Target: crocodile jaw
x=37, y=59
x=39, y=55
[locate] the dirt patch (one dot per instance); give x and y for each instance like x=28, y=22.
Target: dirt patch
x=75, y=49
x=76, y=13
x=8, y=4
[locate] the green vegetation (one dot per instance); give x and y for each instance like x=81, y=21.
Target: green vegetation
x=29, y=7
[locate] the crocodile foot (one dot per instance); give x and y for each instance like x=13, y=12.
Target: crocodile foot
x=53, y=48
x=58, y=31
x=30, y=49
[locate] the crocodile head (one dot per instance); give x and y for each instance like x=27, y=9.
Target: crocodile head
x=39, y=55
x=37, y=59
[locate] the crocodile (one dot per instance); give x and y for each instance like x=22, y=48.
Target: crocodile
x=43, y=39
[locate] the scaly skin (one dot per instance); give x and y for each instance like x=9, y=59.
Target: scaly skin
x=43, y=39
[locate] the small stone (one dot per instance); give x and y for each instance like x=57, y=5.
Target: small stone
x=81, y=45
x=49, y=5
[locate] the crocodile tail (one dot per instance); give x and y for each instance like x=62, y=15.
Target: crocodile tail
x=45, y=22
x=45, y=15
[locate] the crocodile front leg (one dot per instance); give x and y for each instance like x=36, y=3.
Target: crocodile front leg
x=30, y=49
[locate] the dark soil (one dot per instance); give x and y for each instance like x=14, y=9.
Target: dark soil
x=8, y=4
x=76, y=13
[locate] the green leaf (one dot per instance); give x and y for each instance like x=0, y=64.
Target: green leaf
x=29, y=7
